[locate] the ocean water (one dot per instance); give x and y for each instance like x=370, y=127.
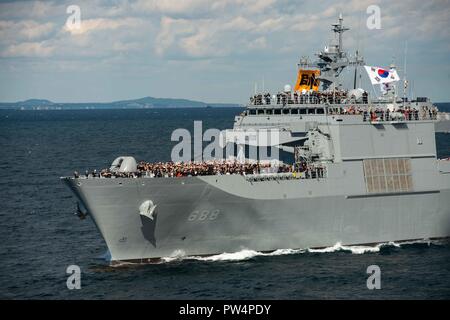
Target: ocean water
x=40, y=237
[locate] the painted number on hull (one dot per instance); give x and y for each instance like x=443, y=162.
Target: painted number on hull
x=202, y=215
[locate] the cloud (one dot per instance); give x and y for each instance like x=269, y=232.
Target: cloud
x=218, y=36
x=168, y=7
x=200, y=8
x=272, y=24
x=169, y=31
x=202, y=38
x=305, y=23
x=204, y=29
x=31, y=9
x=33, y=30
x=26, y=38
x=238, y=24
x=232, y=37
x=100, y=24
x=258, y=43
x=28, y=49
x=25, y=29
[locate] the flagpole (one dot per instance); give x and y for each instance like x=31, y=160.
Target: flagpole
x=404, y=74
x=373, y=89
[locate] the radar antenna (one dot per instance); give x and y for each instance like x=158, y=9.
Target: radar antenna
x=333, y=59
x=339, y=29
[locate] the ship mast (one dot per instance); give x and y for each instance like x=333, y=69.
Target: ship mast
x=340, y=29
x=405, y=82
x=356, y=71
x=333, y=59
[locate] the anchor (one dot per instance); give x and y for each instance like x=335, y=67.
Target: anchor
x=147, y=209
x=80, y=213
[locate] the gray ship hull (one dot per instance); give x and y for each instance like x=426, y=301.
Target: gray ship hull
x=216, y=214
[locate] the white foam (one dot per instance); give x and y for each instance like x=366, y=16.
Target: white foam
x=281, y=252
x=392, y=244
x=353, y=249
x=422, y=241
x=176, y=255
x=246, y=254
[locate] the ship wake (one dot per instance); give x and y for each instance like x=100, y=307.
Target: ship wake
x=247, y=254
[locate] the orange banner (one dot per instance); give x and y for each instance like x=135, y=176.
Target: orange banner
x=307, y=80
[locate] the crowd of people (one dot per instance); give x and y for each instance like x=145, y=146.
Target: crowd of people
x=308, y=97
x=407, y=113
x=172, y=169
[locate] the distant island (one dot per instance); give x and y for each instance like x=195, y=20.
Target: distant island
x=143, y=103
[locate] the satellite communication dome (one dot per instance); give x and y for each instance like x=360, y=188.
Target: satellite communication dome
x=287, y=88
x=124, y=164
x=356, y=93
x=390, y=107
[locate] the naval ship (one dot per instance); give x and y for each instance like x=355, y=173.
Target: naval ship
x=372, y=176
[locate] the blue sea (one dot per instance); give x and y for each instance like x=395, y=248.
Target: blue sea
x=40, y=237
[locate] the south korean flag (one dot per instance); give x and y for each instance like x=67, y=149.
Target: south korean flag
x=379, y=75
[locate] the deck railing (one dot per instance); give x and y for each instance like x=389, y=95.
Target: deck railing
x=403, y=115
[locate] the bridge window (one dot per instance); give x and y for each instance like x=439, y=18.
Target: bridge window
x=260, y=111
x=277, y=111
x=252, y=111
x=269, y=111
x=302, y=111
x=294, y=111
x=285, y=111
x=311, y=111
x=320, y=111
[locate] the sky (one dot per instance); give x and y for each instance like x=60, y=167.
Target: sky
x=212, y=51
